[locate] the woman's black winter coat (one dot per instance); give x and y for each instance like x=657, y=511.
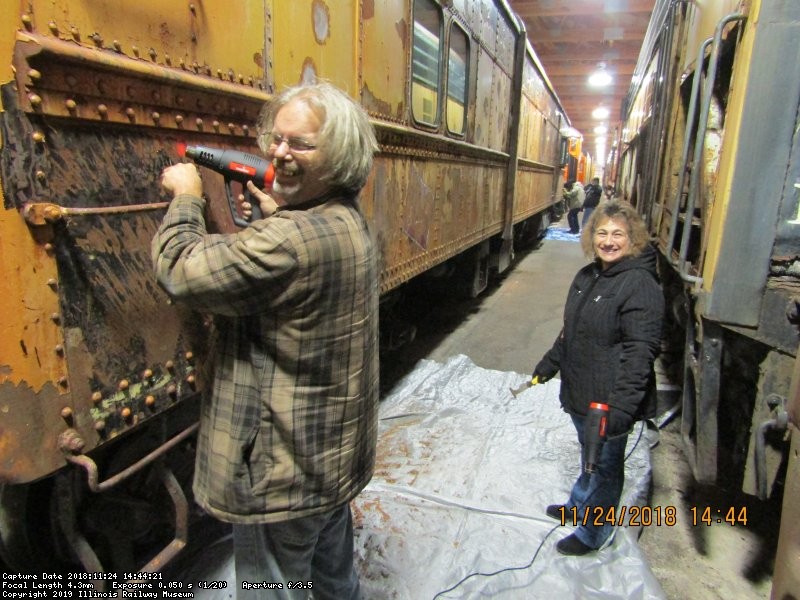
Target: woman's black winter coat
x=611, y=337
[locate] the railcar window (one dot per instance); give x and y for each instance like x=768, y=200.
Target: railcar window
x=457, y=72
x=425, y=62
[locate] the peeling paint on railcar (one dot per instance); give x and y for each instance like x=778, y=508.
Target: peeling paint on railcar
x=308, y=73
x=321, y=18
x=376, y=106
x=417, y=216
x=96, y=319
x=28, y=446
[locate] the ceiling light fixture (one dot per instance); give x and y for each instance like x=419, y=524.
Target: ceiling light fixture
x=601, y=130
x=601, y=77
x=601, y=112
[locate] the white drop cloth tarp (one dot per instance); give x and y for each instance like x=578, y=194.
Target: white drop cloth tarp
x=464, y=474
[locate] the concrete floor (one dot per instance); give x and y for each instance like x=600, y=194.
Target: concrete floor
x=508, y=329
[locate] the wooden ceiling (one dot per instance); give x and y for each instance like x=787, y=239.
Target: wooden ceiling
x=572, y=38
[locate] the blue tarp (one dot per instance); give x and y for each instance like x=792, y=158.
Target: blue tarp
x=561, y=233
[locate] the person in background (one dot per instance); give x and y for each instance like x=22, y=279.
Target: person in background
x=288, y=428
x=605, y=353
x=594, y=192
x=574, y=197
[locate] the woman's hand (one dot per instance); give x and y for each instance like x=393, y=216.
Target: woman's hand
x=541, y=375
x=619, y=422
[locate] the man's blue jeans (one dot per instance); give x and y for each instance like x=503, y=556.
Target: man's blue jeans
x=599, y=491
x=572, y=220
x=315, y=552
x=587, y=212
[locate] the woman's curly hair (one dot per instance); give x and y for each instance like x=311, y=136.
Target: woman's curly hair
x=621, y=212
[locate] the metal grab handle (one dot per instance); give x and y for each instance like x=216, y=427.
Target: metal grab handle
x=91, y=467
x=687, y=136
x=702, y=126
x=41, y=213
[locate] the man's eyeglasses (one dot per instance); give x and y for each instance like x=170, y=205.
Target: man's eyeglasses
x=295, y=144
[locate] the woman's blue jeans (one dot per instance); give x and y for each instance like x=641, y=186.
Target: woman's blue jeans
x=599, y=491
x=311, y=554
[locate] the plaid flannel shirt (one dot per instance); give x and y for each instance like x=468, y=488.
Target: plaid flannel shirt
x=288, y=426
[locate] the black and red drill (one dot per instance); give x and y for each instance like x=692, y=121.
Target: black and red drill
x=238, y=166
x=595, y=431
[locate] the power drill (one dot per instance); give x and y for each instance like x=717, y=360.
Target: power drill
x=236, y=166
x=595, y=430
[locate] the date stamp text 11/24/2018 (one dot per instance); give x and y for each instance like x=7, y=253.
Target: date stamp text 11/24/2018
x=647, y=516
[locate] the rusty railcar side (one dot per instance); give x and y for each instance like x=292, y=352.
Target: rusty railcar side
x=99, y=370
x=100, y=374
x=710, y=155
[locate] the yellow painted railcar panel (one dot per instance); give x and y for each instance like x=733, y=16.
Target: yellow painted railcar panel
x=30, y=335
x=221, y=38
x=12, y=20
x=483, y=98
x=492, y=104
x=640, y=111
x=384, y=67
x=472, y=12
x=715, y=221
x=703, y=18
x=488, y=24
x=427, y=210
x=531, y=125
x=316, y=39
x=534, y=191
x=506, y=44
x=501, y=110
x=537, y=135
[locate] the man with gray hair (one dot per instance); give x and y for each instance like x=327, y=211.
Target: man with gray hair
x=288, y=427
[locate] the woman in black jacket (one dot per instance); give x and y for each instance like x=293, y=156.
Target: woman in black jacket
x=605, y=353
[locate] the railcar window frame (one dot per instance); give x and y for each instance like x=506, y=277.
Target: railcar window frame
x=426, y=63
x=460, y=76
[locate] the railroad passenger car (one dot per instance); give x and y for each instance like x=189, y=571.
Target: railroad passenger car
x=99, y=373
x=709, y=153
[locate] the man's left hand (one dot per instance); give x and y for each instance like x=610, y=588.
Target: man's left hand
x=265, y=201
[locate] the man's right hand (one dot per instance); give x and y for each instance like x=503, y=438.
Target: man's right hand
x=182, y=178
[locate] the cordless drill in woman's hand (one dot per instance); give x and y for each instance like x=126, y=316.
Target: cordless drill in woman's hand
x=595, y=431
x=236, y=166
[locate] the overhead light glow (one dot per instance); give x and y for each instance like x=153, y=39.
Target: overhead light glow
x=601, y=112
x=601, y=130
x=600, y=78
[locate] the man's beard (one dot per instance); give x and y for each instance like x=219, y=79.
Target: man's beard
x=286, y=192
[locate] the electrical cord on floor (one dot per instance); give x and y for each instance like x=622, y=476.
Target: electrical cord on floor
x=541, y=544
x=503, y=570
